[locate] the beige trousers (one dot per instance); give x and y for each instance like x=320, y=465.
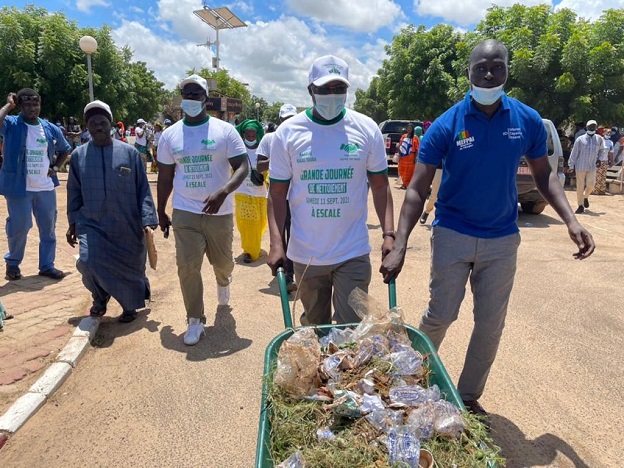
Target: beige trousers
x=585, y=182
x=197, y=235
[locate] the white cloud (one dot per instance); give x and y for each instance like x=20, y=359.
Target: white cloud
x=367, y=16
x=273, y=57
x=588, y=9
x=84, y=6
x=467, y=12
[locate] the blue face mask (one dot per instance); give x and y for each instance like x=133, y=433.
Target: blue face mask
x=329, y=106
x=191, y=107
x=486, y=96
x=250, y=142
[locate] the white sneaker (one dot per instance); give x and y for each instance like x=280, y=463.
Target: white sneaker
x=223, y=294
x=194, y=331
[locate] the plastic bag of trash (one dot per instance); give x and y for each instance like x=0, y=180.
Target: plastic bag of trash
x=413, y=395
x=297, y=364
x=338, y=336
x=403, y=447
x=421, y=420
x=376, y=318
x=448, y=419
x=371, y=346
x=406, y=360
x=371, y=403
x=294, y=461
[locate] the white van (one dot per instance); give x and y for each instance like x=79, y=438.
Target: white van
x=531, y=201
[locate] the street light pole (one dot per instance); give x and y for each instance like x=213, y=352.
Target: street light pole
x=257, y=110
x=89, y=45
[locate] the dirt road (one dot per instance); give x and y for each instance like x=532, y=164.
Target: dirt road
x=141, y=398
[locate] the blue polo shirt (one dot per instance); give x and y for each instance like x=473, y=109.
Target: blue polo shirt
x=480, y=158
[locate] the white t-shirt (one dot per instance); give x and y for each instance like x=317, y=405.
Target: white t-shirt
x=37, y=161
x=140, y=140
x=247, y=187
x=201, y=156
x=264, y=148
x=327, y=168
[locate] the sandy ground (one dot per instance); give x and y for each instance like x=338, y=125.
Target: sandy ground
x=140, y=398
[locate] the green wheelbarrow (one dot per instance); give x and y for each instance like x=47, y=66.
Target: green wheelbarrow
x=419, y=340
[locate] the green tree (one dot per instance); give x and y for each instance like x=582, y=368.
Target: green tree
x=371, y=103
x=40, y=50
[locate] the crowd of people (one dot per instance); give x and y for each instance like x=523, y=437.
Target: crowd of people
x=309, y=182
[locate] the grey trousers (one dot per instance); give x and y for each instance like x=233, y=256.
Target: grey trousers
x=315, y=289
x=197, y=235
x=490, y=264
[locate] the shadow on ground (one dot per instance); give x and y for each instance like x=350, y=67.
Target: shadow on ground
x=110, y=328
x=521, y=452
x=220, y=339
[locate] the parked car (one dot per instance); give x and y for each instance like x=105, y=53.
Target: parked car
x=531, y=201
x=392, y=131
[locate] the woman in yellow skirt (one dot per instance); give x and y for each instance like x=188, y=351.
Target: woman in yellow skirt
x=250, y=198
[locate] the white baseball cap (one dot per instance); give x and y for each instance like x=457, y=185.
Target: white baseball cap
x=99, y=105
x=196, y=79
x=328, y=68
x=591, y=122
x=141, y=121
x=287, y=110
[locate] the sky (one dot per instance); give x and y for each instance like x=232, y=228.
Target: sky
x=273, y=53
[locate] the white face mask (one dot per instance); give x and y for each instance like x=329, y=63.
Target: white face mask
x=250, y=142
x=486, y=96
x=329, y=106
x=191, y=107
x=591, y=132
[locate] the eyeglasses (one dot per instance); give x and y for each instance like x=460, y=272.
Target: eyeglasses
x=30, y=99
x=192, y=94
x=324, y=90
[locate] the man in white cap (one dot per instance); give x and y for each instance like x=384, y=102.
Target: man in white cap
x=264, y=154
x=588, y=150
x=140, y=142
x=202, y=160
x=109, y=205
x=325, y=156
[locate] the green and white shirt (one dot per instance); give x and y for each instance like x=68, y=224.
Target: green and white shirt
x=326, y=163
x=37, y=161
x=201, y=154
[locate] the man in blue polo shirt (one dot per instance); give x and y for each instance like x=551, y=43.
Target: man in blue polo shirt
x=479, y=142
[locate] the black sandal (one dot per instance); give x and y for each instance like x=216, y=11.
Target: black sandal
x=97, y=312
x=128, y=316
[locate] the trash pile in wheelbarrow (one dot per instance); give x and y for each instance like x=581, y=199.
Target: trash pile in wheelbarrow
x=364, y=396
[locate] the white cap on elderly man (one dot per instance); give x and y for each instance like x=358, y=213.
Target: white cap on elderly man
x=287, y=110
x=99, y=105
x=591, y=122
x=196, y=79
x=328, y=68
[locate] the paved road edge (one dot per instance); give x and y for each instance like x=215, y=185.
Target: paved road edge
x=54, y=376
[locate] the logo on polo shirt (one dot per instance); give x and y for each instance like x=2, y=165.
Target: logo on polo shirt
x=208, y=143
x=351, y=151
x=464, y=140
x=42, y=141
x=513, y=133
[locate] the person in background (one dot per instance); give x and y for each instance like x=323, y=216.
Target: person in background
x=84, y=136
x=140, y=142
x=587, y=151
x=33, y=151
x=109, y=206
x=73, y=133
x=475, y=236
x=251, y=198
x=202, y=160
x=408, y=152
x=157, y=133
x=324, y=160
x=601, y=165
x=120, y=132
x=264, y=155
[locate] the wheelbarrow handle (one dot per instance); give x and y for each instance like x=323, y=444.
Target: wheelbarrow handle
x=392, y=299
x=283, y=290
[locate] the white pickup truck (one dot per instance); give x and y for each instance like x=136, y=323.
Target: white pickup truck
x=529, y=198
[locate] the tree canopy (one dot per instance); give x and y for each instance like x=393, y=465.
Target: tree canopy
x=40, y=50
x=567, y=68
